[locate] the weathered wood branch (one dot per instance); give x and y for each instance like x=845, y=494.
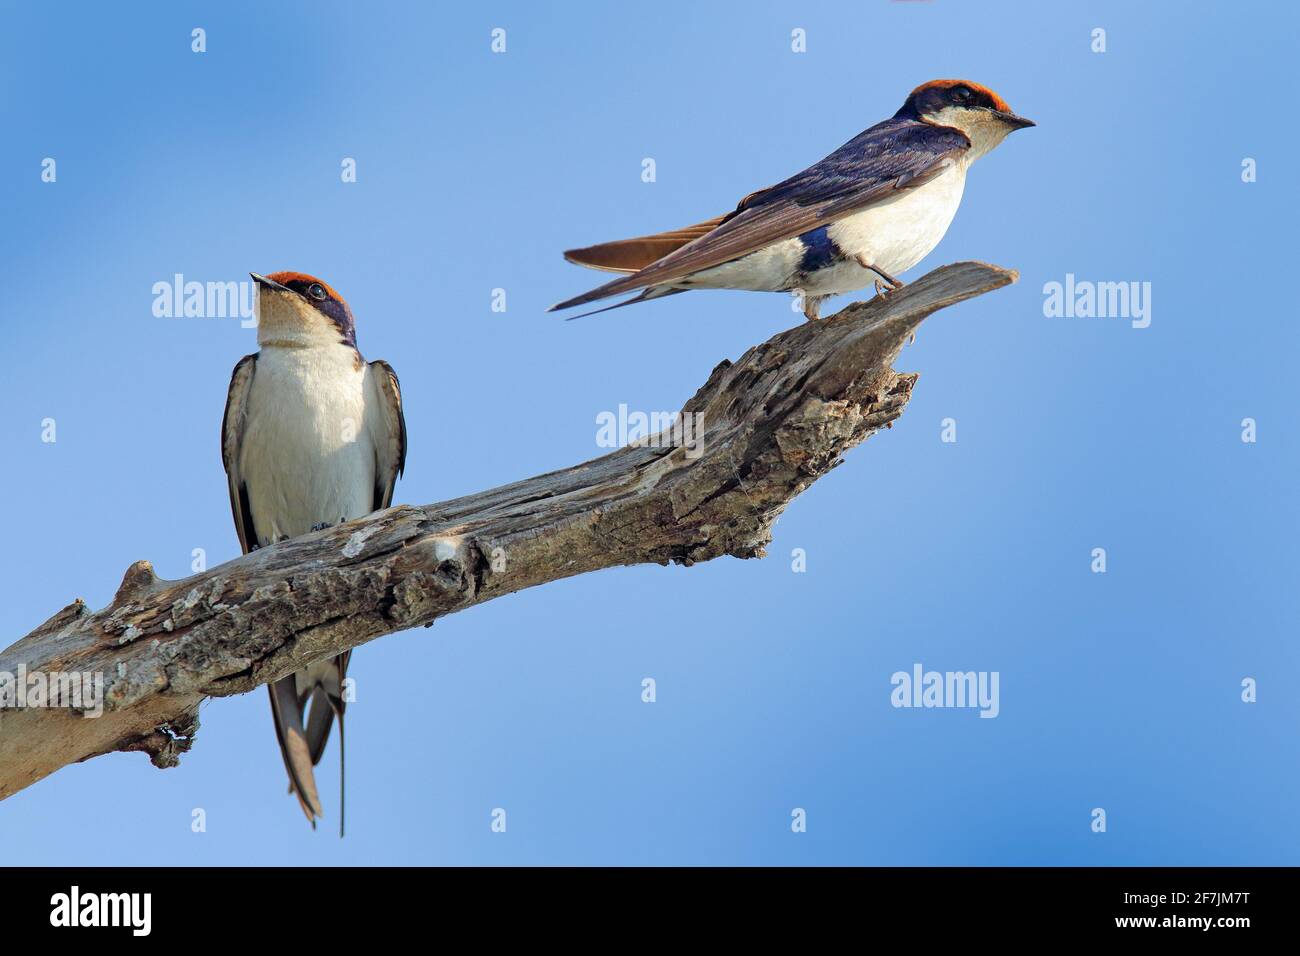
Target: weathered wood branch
x=768, y=426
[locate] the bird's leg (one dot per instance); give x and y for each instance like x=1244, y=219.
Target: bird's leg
x=812, y=305
x=890, y=284
x=883, y=288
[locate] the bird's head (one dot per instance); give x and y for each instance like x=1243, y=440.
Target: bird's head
x=976, y=110
x=297, y=309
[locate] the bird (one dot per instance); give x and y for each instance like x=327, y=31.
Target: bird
x=312, y=435
x=866, y=213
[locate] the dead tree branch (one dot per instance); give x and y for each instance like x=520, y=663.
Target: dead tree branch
x=771, y=424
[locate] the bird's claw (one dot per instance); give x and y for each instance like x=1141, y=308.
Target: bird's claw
x=812, y=307
x=884, y=282
x=884, y=288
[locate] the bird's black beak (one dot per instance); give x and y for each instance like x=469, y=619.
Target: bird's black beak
x=1014, y=121
x=266, y=283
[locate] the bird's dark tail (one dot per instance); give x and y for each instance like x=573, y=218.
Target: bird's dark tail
x=633, y=255
x=301, y=746
x=646, y=296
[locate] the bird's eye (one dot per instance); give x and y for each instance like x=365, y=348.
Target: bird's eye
x=962, y=93
x=315, y=291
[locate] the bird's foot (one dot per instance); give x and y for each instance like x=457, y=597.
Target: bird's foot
x=885, y=283
x=887, y=287
x=320, y=527
x=812, y=307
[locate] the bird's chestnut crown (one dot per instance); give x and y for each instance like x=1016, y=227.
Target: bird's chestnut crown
x=307, y=286
x=930, y=100
x=315, y=295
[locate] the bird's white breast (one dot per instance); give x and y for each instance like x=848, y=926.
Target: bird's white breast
x=307, y=456
x=895, y=235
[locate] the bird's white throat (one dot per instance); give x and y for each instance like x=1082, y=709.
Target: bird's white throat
x=983, y=128
x=286, y=321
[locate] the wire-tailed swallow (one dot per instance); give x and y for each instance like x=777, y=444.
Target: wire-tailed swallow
x=313, y=435
x=867, y=212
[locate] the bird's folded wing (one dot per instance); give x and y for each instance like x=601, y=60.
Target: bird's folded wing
x=872, y=168
x=232, y=440
x=390, y=433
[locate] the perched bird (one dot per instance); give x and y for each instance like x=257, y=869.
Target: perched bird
x=313, y=435
x=867, y=212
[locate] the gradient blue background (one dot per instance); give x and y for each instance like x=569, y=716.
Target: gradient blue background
x=475, y=170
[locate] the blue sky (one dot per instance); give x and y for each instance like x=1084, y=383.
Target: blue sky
x=1119, y=690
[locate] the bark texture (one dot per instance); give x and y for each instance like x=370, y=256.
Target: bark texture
x=771, y=424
